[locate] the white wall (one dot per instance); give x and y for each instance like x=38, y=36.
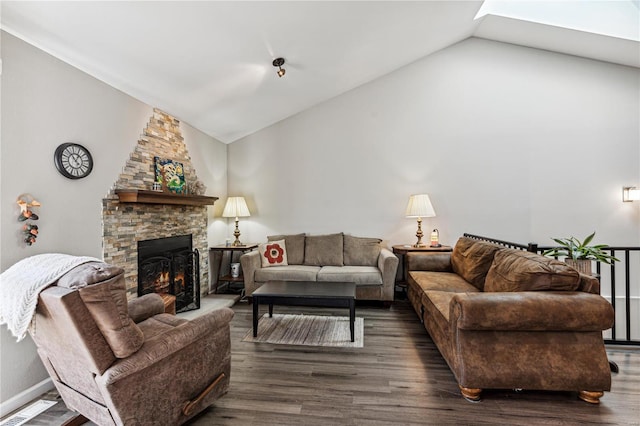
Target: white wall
x=510, y=142
x=46, y=102
x=210, y=162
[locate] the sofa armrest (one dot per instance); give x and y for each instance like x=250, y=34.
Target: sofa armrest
x=530, y=311
x=164, y=345
x=250, y=264
x=435, y=262
x=145, y=307
x=388, y=265
x=589, y=284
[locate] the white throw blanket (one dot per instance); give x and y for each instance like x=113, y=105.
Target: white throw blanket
x=21, y=284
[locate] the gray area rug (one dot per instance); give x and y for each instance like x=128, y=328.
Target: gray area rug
x=307, y=330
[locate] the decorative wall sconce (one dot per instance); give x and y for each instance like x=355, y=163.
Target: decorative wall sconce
x=29, y=230
x=630, y=193
x=279, y=62
x=419, y=206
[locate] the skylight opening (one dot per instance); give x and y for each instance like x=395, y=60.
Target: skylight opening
x=620, y=18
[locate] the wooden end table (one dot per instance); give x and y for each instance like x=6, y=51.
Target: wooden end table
x=216, y=255
x=305, y=293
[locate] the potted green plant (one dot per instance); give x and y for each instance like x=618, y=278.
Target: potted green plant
x=579, y=254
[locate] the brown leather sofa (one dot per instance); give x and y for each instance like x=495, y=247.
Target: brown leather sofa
x=510, y=319
x=119, y=363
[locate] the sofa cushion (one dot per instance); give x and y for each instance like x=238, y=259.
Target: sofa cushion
x=287, y=273
x=441, y=281
x=359, y=251
x=471, y=259
x=295, y=247
x=517, y=270
x=353, y=274
x=323, y=250
x=273, y=253
x=107, y=304
x=436, y=321
x=441, y=300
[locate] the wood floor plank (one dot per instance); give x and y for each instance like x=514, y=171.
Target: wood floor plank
x=397, y=378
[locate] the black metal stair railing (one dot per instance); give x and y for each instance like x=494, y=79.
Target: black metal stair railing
x=619, y=284
x=616, y=286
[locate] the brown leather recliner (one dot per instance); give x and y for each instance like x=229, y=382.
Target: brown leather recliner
x=119, y=363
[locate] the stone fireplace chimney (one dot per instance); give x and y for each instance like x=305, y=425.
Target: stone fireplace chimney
x=124, y=224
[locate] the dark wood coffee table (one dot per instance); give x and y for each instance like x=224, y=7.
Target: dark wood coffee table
x=305, y=293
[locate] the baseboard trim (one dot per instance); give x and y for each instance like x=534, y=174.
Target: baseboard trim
x=25, y=396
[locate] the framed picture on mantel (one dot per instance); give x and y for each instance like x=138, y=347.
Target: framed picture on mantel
x=170, y=174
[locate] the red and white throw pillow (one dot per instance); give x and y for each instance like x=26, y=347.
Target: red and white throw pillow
x=273, y=253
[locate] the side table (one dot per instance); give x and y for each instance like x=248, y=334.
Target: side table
x=216, y=255
x=402, y=250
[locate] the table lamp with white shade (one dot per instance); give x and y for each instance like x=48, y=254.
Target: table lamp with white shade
x=420, y=206
x=236, y=207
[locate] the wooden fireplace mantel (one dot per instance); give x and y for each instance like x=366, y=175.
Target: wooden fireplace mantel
x=156, y=197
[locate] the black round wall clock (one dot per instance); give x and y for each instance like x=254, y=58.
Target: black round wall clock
x=73, y=160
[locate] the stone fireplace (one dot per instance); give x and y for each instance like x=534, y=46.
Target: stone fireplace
x=124, y=224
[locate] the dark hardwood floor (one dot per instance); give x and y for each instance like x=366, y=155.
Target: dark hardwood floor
x=398, y=378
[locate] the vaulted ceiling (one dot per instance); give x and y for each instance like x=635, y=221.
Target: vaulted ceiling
x=209, y=63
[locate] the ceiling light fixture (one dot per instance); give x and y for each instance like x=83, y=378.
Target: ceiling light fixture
x=279, y=62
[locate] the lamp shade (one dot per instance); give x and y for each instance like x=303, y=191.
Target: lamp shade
x=236, y=207
x=420, y=206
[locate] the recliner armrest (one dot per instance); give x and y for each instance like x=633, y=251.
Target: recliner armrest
x=145, y=307
x=177, y=339
x=530, y=311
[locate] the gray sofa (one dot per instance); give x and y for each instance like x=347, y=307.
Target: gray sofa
x=328, y=258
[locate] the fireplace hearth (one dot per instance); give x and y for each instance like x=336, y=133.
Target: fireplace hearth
x=170, y=266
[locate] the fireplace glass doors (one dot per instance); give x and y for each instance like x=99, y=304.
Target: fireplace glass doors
x=170, y=266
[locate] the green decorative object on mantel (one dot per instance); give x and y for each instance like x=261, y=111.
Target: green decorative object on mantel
x=579, y=254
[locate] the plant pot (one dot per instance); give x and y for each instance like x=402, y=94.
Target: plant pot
x=582, y=265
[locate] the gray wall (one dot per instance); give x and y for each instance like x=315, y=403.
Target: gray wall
x=511, y=142
x=46, y=102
